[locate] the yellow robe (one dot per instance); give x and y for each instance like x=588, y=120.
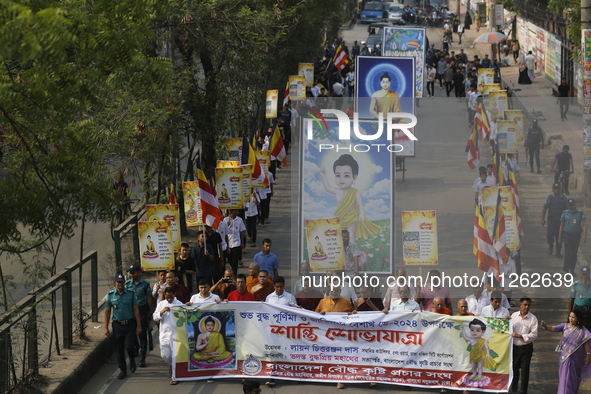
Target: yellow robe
x=479, y=352
x=216, y=344
x=349, y=216
x=389, y=103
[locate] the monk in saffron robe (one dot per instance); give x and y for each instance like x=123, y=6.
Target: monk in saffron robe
x=385, y=100
x=210, y=345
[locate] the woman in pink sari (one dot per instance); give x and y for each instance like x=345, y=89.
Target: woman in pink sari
x=574, y=353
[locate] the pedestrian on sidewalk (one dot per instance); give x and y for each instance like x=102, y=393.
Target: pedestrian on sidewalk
x=555, y=204
x=431, y=80
x=562, y=164
x=563, y=98
x=573, y=224
x=460, y=32
x=145, y=301
x=467, y=20
x=530, y=63
x=477, y=21
x=448, y=75
x=533, y=140
x=441, y=65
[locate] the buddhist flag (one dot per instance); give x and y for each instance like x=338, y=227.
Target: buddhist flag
x=472, y=149
x=483, y=247
x=498, y=165
x=481, y=120
x=277, y=148
x=340, y=59
x=212, y=216
x=499, y=235
x=286, y=94
x=172, y=196
x=513, y=184
x=249, y=157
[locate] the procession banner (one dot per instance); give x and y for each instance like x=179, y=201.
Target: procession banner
x=418, y=349
x=490, y=195
x=228, y=184
x=486, y=76
x=271, y=104
x=191, y=196
x=516, y=115
x=419, y=238
x=325, y=245
x=264, y=159
x=307, y=71
x=507, y=136
x=234, y=148
x=246, y=181
x=486, y=89
x=498, y=103
x=169, y=212
x=155, y=238
x=407, y=42
x=355, y=186
x=373, y=98
x=511, y=232
x=297, y=87
x=227, y=164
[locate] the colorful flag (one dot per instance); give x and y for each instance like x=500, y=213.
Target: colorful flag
x=483, y=247
x=277, y=148
x=212, y=216
x=249, y=157
x=340, y=59
x=499, y=235
x=472, y=149
x=481, y=120
x=286, y=94
x=513, y=183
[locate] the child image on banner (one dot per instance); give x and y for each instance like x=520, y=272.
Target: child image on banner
x=350, y=204
x=411, y=245
x=212, y=340
x=150, y=251
x=481, y=356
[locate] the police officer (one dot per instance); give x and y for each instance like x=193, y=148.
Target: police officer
x=555, y=205
x=126, y=323
x=534, y=139
x=141, y=289
x=580, y=296
x=573, y=223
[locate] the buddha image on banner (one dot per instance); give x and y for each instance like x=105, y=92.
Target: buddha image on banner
x=355, y=187
x=384, y=85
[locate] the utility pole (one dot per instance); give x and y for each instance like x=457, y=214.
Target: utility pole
x=586, y=49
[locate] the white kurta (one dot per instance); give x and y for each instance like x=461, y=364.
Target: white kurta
x=166, y=328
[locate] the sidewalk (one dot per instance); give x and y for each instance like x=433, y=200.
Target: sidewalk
x=537, y=101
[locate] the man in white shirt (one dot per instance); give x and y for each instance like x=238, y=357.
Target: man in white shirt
x=507, y=269
x=204, y=296
x=337, y=89
x=495, y=309
x=393, y=292
x=280, y=296
x=236, y=239
x=525, y=331
x=477, y=301
x=404, y=303
x=530, y=63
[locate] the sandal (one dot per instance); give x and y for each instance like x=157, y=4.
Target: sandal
x=173, y=382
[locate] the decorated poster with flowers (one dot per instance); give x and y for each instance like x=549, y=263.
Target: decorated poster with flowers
x=156, y=247
x=419, y=238
x=192, y=207
x=168, y=212
x=229, y=184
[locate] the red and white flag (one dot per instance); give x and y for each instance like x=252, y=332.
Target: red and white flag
x=472, y=149
x=483, y=247
x=212, y=216
x=481, y=120
x=277, y=148
x=341, y=59
x=499, y=234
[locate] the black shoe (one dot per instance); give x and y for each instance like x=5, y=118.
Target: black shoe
x=558, y=254
x=132, y=366
x=539, y=171
x=122, y=374
x=550, y=251
x=142, y=362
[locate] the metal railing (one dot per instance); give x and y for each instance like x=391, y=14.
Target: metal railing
x=128, y=226
x=26, y=311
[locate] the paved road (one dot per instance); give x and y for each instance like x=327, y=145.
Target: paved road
x=437, y=178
